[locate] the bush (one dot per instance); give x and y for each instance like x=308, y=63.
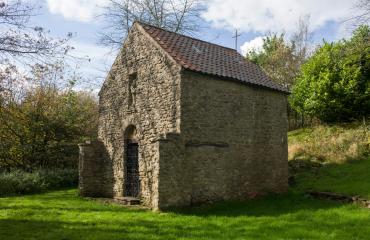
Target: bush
x=334, y=84
x=20, y=182
x=42, y=129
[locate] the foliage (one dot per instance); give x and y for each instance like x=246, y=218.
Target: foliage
x=39, y=180
x=277, y=59
x=280, y=59
x=335, y=82
x=330, y=144
x=41, y=124
x=62, y=215
x=180, y=16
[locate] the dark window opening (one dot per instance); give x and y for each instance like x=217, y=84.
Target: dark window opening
x=132, y=182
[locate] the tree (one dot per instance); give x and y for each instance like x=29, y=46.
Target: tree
x=180, y=16
x=40, y=123
x=276, y=59
x=335, y=82
x=41, y=116
x=21, y=42
x=363, y=12
x=281, y=59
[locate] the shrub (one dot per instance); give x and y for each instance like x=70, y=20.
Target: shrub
x=42, y=129
x=20, y=182
x=334, y=84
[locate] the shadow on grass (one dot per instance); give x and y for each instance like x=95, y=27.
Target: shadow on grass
x=268, y=206
x=63, y=215
x=297, y=226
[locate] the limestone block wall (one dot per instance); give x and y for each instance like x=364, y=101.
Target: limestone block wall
x=200, y=138
x=235, y=138
x=174, y=188
x=142, y=90
x=95, y=177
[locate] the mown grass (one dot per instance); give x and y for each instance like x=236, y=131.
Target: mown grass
x=351, y=178
x=63, y=215
x=294, y=215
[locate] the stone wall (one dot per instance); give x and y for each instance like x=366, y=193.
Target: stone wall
x=200, y=138
x=95, y=177
x=174, y=172
x=142, y=90
x=233, y=143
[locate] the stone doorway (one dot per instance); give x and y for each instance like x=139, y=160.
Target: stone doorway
x=132, y=181
x=131, y=161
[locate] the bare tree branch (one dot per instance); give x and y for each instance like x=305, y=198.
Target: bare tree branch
x=362, y=15
x=21, y=42
x=180, y=16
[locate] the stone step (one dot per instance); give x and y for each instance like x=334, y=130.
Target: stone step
x=127, y=200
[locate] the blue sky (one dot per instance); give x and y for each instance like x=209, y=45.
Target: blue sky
x=252, y=18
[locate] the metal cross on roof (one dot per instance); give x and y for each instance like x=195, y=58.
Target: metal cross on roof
x=236, y=39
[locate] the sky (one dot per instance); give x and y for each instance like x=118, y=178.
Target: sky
x=252, y=18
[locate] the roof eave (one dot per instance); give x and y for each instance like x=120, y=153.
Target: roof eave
x=286, y=92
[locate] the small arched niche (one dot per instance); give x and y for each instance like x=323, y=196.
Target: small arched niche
x=131, y=163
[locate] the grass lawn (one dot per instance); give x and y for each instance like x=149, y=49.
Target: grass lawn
x=342, y=153
x=63, y=215
x=352, y=178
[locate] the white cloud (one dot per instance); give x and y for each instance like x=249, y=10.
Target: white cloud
x=77, y=10
x=253, y=45
x=275, y=15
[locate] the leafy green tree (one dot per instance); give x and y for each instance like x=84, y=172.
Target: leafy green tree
x=280, y=58
x=335, y=82
x=41, y=124
x=277, y=59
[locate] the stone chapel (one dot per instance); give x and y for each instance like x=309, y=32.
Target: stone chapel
x=183, y=121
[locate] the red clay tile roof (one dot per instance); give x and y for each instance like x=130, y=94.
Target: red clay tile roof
x=208, y=58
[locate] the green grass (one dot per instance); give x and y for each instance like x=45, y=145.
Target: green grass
x=330, y=143
x=351, y=178
x=333, y=158
x=294, y=215
x=63, y=215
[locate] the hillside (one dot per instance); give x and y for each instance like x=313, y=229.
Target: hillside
x=331, y=158
x=330, y=144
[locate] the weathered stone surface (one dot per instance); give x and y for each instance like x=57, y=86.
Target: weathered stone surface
x=151, y=103
x=200, y=138
x=95, y=177
x=233, y=143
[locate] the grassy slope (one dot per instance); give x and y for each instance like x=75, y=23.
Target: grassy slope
x=342, y=154
x=351, y=178
x=63, y=215
x=330, y=144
